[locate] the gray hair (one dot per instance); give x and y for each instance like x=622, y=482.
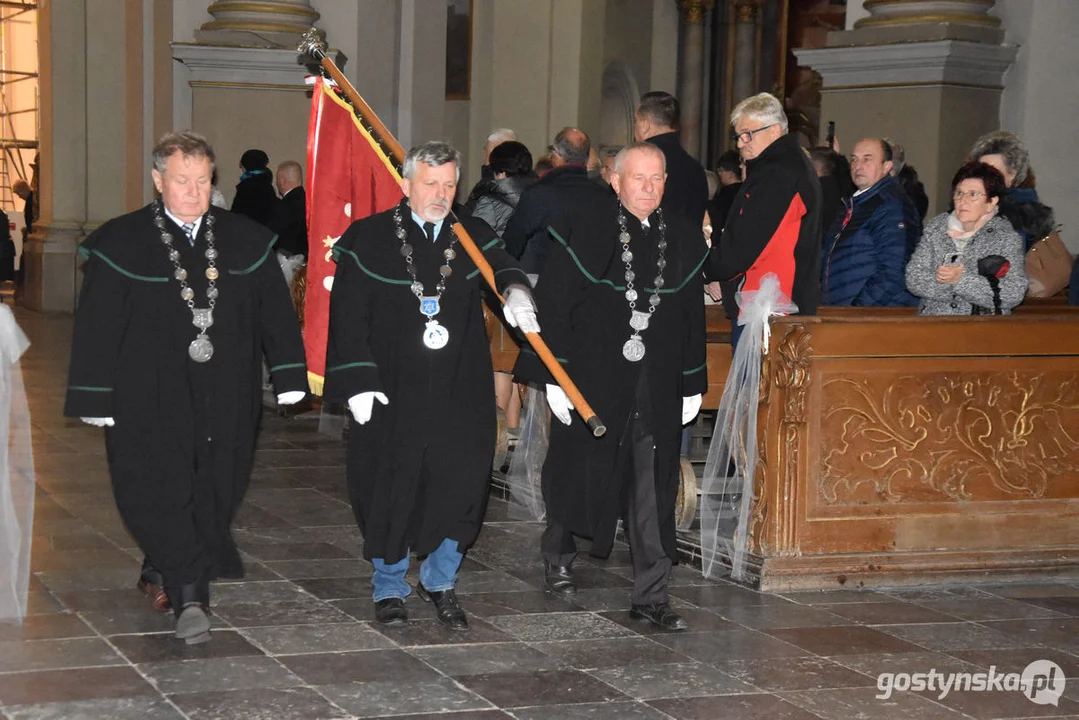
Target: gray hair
x=291, y=170
x=1007, y=145
x=190, y=144
x=899, y=155
x=763, y=107
x=501, y=135
x=645, y=147
x=434, y=153
x=572, y=145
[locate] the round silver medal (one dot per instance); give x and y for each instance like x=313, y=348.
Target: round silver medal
x=633, y=349
x=201, y=349
x=435, y=336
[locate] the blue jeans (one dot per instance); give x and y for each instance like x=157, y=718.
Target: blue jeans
x=437, y=573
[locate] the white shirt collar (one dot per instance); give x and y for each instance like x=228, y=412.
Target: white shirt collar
x=180, y=223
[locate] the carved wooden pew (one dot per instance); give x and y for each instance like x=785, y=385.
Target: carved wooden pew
x=901, y=450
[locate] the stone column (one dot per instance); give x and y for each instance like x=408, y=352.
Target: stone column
x=692, y=68
x=745, y=49
x=927, y=73
x=267, y=23
x=50, y=252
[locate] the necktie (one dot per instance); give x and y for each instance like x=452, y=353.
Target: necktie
x=189, y=230
x=429, y=229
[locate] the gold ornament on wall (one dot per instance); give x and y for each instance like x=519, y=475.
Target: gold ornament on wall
x=693, y=10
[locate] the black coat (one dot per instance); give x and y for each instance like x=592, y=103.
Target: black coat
x=418, y=471
x=686, y=191
x=774, y=227
x=494, y=201
x=555, y=200
x=185, y=431
x=289, y=221
x=719, y=208
x=255, y=197
x=585, y=319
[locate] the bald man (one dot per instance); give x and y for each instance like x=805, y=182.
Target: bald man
x=289, y=219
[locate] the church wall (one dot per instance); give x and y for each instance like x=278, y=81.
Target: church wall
x=1041, y=98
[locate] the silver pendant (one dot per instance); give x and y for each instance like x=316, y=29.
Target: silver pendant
x=435, y=336
x=202, y=318
x=201, y=349
x=633, y=350
x=639, y=320
x=429, y=305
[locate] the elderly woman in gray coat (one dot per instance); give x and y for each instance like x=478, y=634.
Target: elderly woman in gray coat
x=969, y=261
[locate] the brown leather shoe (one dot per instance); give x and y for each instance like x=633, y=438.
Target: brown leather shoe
x=159, y=601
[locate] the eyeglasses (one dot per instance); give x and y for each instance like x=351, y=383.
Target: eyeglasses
x=959, y=195
x=747, y=136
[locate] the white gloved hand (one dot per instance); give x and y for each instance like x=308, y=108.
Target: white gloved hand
x=520, y=310
x=690, y=407
x=559, y=404
x=291, y=397
x=99, y=422
x=362, y=404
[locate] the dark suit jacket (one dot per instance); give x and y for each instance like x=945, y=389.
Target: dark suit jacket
x=289, y=221
x=686, y=192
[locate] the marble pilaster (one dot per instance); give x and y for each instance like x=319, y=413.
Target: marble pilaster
x=693, y=12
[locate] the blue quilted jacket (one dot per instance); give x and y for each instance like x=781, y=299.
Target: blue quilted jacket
x=866, y=250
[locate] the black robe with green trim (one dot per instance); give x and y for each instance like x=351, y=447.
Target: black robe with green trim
x=418, y=471
x=585, y=319
x=181, y=452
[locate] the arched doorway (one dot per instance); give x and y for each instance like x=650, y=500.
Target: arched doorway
x=618, y=103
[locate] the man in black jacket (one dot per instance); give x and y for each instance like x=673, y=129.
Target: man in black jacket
x=774, y=224
x=289, y=218
x=563, y=193
x=656, y=121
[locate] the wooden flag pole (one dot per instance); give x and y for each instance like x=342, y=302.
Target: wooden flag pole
x=314, y=46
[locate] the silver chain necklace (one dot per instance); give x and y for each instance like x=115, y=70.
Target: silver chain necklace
x=633, y=349
x=200, y=349
x=435, y=336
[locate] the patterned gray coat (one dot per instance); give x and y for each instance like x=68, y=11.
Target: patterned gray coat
x=936, y=247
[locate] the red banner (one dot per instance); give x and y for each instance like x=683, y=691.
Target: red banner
x=348, y=178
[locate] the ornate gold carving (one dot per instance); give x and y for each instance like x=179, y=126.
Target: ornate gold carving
x=693, y=10
x=948, y=436
x=746, y=10
x=790, y=370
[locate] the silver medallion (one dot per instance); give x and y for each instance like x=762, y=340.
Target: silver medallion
x=201, y=349
x=639, y=320
x=435, y=336
x=633, y=349
x=202, y=318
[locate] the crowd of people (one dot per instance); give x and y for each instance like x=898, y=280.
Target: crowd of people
x=610, y=249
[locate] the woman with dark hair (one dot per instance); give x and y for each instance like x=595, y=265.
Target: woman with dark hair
x=255, y=196
x=494, y=201
x=960, y=251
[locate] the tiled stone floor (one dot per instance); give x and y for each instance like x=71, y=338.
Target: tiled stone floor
x=295, y=638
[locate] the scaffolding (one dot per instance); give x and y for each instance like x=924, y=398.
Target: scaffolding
x=19, y=96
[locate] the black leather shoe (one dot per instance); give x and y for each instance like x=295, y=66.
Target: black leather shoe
x=660, y=615
x=559, y=579
x=391, y=611
x=447, y=609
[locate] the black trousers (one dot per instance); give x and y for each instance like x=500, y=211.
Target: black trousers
x=651, y=564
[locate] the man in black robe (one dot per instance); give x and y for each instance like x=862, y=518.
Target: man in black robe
x=657, y=121
x=638, y=356
x=418, y=463
x=167, y=355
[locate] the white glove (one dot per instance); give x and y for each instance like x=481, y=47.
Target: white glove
x=690, y=407
x=362, y=404
x=99, y=422
x=520, y=310
x=559, y=404
x=291, y=397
